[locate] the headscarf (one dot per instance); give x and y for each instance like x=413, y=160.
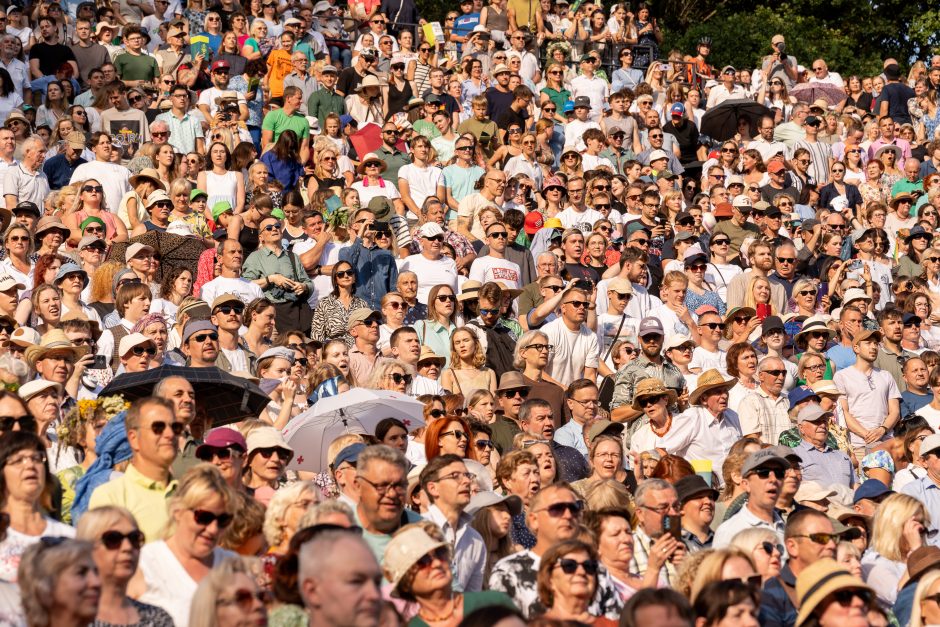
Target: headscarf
x=112, y=447
x=328, y=388
x=147, y=320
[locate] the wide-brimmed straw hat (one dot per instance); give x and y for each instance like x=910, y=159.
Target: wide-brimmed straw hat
x=55, y=341
x=820, y=579
x=710, y=380
x=404, y=550
x=651, y=387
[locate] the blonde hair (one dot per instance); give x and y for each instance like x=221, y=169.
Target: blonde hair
x=339, y=444
x=709, y=571
x=96, y=521
x=274, y=527
x=750, y=539
x=198, y=485
x=749, y=299
x=923, y=586
x=202, y=612
x=886, y=533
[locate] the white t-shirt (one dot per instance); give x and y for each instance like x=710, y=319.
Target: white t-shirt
x=584, y=221
x=430, y=272
x=574, y=133
x=323, y=284
x=706, y=360
x=114, y=178
x=671, y=323
x=931, y=415
x=422, y=182
x=16, y=543
x=574, y=351
x=720, y=275
x=867, y=396
x=208, y=96
x=488, y=268
x=595, y=88
x=368, y=192
x=245, y=290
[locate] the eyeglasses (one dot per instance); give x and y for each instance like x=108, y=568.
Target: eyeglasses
x=570, y=566
x=202, y=337
x=204, y=518
x=457, y=476
x=557, y=510
x=35, y=459
x=112, y=540
x=540, y=347
x=764, y=473
x=159, y=427
x=383, y=488
x=398, y=378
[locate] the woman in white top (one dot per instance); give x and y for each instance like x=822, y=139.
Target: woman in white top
x=418, y=180
x=220, y=182
x=897, y=530
x=9, y=98
x=27, y=486
x=170, y=570
x=18, y=242
x=177, y=285
x=71, y=280
x=393, y=310
x=742, y=364
x=916, y=468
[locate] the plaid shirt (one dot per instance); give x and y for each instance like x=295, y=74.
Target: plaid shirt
x=642, y=544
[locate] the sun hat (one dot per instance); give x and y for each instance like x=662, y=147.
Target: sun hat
x=54, y=341
x=129, y=341
x=37, y=386
x=429, y=355
x=710, y=380
x=820, y=579
x=604, y=427
x=148, y=174
x=486, y=499
x=651, y=387
x=68, y=268
x=404, y=550
x=371, y=158
x=267, y=437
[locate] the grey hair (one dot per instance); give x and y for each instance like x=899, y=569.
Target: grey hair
x=316, y=513
x=525, y=410
x=34, y=141
x=765, y=360
x=381, y=452
x=274, y=527
x=162, y=383
x=549, y=255
x=205, y=601
x=650, y=485
x=517, y=361
x=316, y=555
x=157, y=124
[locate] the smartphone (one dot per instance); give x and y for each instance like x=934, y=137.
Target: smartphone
x=673, y=526
x=99, y=363
x=381, y=227
x=763, y=310
x=855, y=265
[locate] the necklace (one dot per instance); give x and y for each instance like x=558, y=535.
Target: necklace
x=455, y=601
x=661, y=432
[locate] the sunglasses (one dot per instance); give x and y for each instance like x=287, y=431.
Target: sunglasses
x=202, y=337
x=498, y=235
x=112, y=540
x=521, y=393
x=272, y=227
x=150, y=351
x=570, y=566
x=488, y=312
x=26, y=423
x=764, y=473
x=225, y=452
x=441, y=553
x=557, y=510
x=228, y=309
x=398, y=378
x=437, y=413
x=159, y=427
x=93, y=188
x=205, y=518
x=342, y=274
x=819, y=538
x=457, y=433
x=245, y=598
x=269, y=451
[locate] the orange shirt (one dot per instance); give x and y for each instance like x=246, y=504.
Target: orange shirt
x=279, y=66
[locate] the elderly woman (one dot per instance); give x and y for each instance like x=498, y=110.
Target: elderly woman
x=419, y=569
x=171, y=569
x=228, y=595
x=763, y=545
x=60, y=584
x=267, y=457
x=517, y=474
x=284, y=512
x=544, y=456
x=117, y=542
x=567, y=580
x=742, y=364
x=803, y=300
x=615, y=546
x=26, y=488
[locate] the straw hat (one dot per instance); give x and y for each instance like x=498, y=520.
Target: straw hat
x=815, y=324
x=429, y=355
x=55, y=341
x=818, y=581
x=404, y=550
x=469, y=290
x=651, y=387
x=371, y=157
x=710, y=380
x=148, y=174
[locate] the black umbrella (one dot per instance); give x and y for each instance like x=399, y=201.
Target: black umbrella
x=721, y=122
x=174, y=250
x=226, y=398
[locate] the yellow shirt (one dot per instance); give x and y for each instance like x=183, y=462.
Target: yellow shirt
x=143, y=497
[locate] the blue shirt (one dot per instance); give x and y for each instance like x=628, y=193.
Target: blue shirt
x=827, y=467
x=927, y=492
x=287, y=173
x=463, y=26
x=571, y=434
x=59, y=171
x=376, y=272
x=842, y=356
x=910, y=402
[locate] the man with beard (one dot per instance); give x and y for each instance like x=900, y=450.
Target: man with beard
x=537, y=419
x=697, y=500
x=510, y=394
x=825, y=465
x=200, y=344
x=763, y=474
x=762, y=262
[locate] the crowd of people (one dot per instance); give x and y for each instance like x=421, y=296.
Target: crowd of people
x=669, y=332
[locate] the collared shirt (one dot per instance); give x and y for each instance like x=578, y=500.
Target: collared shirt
x=376, y=272
x=307, y=85
x=642, y=544
x=927, y=492
x=323, y=102
x=26, y=185
x=827, y=466
x=571, y=434
x=746, y=519
x=468, y=558
x=145, y=498
x=694, y=544
x=764, y=415
x=395, y=160
x=892, y=363
x=184, y=131
x=361, y=365
x=713, y=436
x=265, y=262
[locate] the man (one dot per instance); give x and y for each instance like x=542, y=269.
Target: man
x=326, y=100
x=287, y=117
x=405, y=346
x=581, y=399
x=394, y=158
x=446, y=482
x=89, y=54
x=114, y=178
x=135, y=67
x=437, y=90
x=381, y=480
x=707, y=354
x=351, y=77
x=891, y=355
x=576, y=355
x=500, y=340
x=791, y=131
x=59, y=169
x=804, y=527
x=842, y=353
x=301, y=78
x=577, y=214
x=649, y=364
x=176, y=52
x=871, y=403
x=225, y=449
x=529, y=65
x=738, y=228
x=916, y=380
x=553, y=516
x=762, y=262
x=927, y=489
x=152, y=434
x=430, y=265
x=510, y=395
x=186, y=134
x=715, y=427
x=340, y=580
x=26, y=180
x=536, y=419
x=764, y=143
x=820, y=463
x=230, y=280
x=685, y=133
x=513, y=252
x=779, y=64
x=911, y=182
x=820, y=152
x=54, y=359
x=233, y=355
x=375, y=267
x=653, y=548
x=763, y=412
x=784, y=273
x=892, y=101
x=47, y=55
x=200, y=343
x=821, y=74
x=727, y=90
x=363, y=326
x=763, y=474
x=211, y=98
x=697, y=506
x=886, y=126
x=128, y=124
x=407, y=286
x=590, y=86
x=343, y=470
x=498, y=97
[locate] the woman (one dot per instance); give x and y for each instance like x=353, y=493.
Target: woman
x=615, y=547
x=283, y=160
x=419, y=569
x=918, y=241
x=830, y=597
x=259, y=318
x=336, y=353
x=544, y=457
x=155, y=327
x=283, y=514
x=699, y=292
x=773, y=93
x=555, y=90
x=764, y=547
x=267, y=457
x=757, y=296
x=177, y=285
x=228, y=595
x=874, y=188
x=219, y=181
x=60, y=584
x=481, y=406
x=19, y=261
x=838, y=186
x=117, y=543
x=897, y=529
x=925, y=609
x=741, y=363
x=170, y=570
x=90, y=203
x=54, y=105
x=727, y=603
x=492, y=518
x=467, y=371
x=332, y=312
x=448, y=436
x=186, y=208
x=803, y=301
x=605, y=459
x=50, y=234
x=47, y=307
x=567, y=580
x=436, y=330
x=854, y=167
x=910, y=449
x=26, y=488
x=856, y=96
x=392, y=432
x=391, y=374
x=595, y=255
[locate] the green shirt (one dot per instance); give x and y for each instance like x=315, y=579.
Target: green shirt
x=323, y=102
x=474, y=601
x=264, y=262
x=136, y=67
x=486, y=132
x=736, y=233
x=277, y=122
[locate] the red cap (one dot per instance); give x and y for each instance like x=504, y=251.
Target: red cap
x=775, y=165
x=220, y=64
x=724, y=210
x=533, y=222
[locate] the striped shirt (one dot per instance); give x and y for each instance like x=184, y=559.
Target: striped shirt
x=183, y=131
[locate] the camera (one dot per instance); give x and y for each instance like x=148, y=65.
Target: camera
x=381, y=227
x=781, y=47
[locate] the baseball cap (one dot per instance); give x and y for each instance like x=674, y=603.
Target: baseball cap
x=533, y=222
x=221, y=64
x=677, y=109
x=801, y=393
x=764, y=457
x=775, y=165
x=348, y=455
x=812, y=412
x=873, y=489
x=430, y=229
x=582, y=101
x=650, y=326
x=223, y=437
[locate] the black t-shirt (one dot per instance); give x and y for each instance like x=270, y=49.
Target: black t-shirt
x=577, y=271
x=51, y=56
x=896, y=95
x=687, y=138
x=450, y=103
x=767, y=193
x=498, y=102
x=510, y=117
x=348, y=81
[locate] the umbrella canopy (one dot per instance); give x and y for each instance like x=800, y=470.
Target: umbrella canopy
x=225, y=397
x=810, y=92
x=357, y=411
x=721, y=123
x=174, y=250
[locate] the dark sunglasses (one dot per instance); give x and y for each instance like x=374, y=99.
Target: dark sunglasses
x=763, y=473
x=341, y=274
x=557, y=510
x=522, y=392
x=92, y=188
x=484, y=445
x=269, y=451
x=227, y=309
x=112, y=540
x=149, y=350
x=443, y=298
x=202, y=337
x=205, y=518
x=225, y=452
x=442, y=553
x=398, y=378
x=26, y=423
x=437, y=413
x=570, y=566
x=160, y=426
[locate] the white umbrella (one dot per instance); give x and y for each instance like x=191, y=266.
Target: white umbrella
x=357, y=411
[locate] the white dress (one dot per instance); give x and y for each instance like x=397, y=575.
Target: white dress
x=221, y=187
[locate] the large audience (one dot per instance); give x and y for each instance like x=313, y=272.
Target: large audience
x=340, y=316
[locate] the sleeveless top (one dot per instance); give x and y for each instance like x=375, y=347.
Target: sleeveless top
x=150, y=226
x=249, y=238
x=468, y=383
x=398, y=98
x=220, y=187
x=106, y=216
x=496, y=21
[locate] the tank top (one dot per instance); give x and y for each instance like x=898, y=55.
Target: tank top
x=398, y=98
x=106, y=216
x=221, y=187
x=249, y=238
x=496, y=21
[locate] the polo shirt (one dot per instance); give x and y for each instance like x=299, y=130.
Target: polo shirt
x=277, y=122
x=143, y=497
x=25, y=186
x=745, y=519
x=395, y=160
x=378, y=542
x=827, y=466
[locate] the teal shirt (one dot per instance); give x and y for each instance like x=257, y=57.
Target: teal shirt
x=264, y=262
x=277, y=122
x=474, y=601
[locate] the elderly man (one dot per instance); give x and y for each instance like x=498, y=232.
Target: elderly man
x=301, y=79
x=763, y=412
x=152, y=433
x=821, y=463
x=510, y=395
x=27, y=181
x=717, y=428
x=381, y=478
x=230, y=280
x=763, y=474
x=180, y=393
x=54, y=359
x=656, y=499
x=200, y=344
x=59, y=169
x=537, y=419
x=430, y=265
x=159, y=132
